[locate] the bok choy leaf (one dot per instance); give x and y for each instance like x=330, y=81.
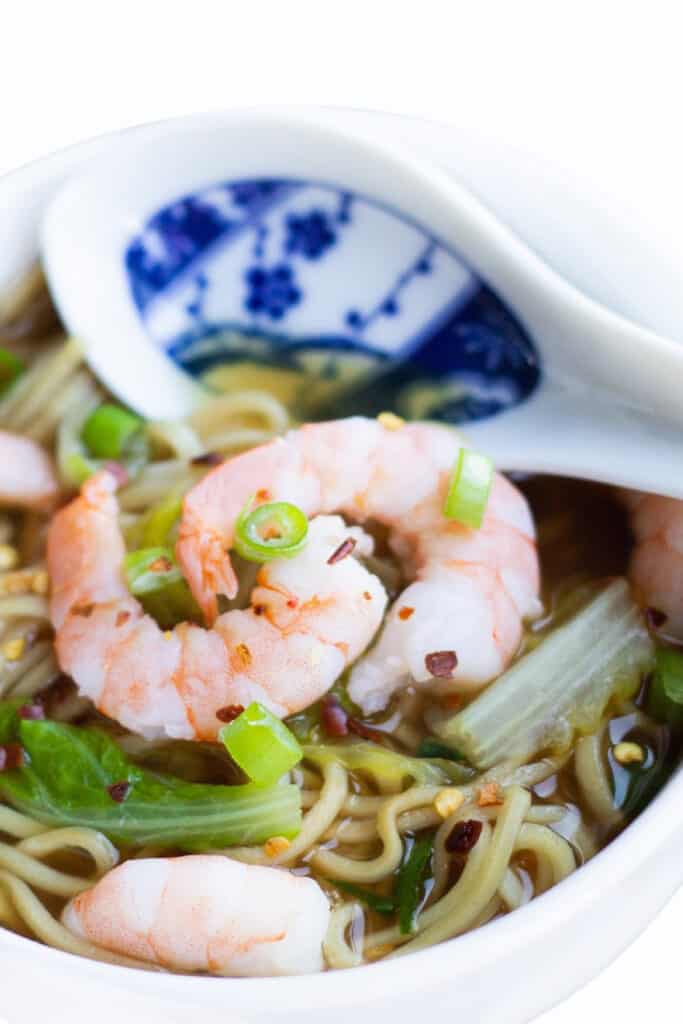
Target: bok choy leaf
x=561, y=687
x=74, y=775
x=387, y=767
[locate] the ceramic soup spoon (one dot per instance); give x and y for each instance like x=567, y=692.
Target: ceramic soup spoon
x=255, y=249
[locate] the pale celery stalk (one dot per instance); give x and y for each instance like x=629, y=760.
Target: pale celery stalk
x=560, y=688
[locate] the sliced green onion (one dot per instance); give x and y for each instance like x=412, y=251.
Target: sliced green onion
x=380, y=904
x=261, y=745
x=410, y=882
x=11, y=368
x=154, y=578
x=159, y=523
x=561, y=687
x=665, y=697
x=76, y=468
x=76, y=460
x=150, y=569
x=469, y=488
x=274, y=530
x=109, y=431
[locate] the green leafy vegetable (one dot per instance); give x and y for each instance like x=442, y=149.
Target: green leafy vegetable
x=275, y=530
x=305, y=724
x=432, y=748
x=387, y=766
x=154, y=578
x=469, y=488
x=665, y=697
x=11, y=368
x=261, y=744
x=70, y=771
x=410, y=881
x=380, y=904
x=562, y=686
x=409, y=889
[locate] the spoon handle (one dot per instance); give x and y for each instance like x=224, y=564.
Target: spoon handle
x=583, y=434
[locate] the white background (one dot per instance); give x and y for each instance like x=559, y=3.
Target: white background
x=595, y=88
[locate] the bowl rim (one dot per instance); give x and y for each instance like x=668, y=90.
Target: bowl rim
x=475, y=950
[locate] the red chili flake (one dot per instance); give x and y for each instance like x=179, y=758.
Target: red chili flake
x=244, y=654
x=464, y=836
x=119, y=791
x=441, y=663
x=405, y=612
x=655, y=618
x=161, y=564
x=362, y=729
x=263, y=494
x=451, y=701
x=12, y=755
x=292, y=602
x=208, y=459
x=119, y=472
x=32, y=712
x=59, y=691
x=229, y=713
x=334, y=719
x=260, y=609
x=122, y=618
x=367, y=595
x=344, y=549
x=85, y=610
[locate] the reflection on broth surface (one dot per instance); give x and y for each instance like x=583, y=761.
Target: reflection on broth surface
x=458, y=794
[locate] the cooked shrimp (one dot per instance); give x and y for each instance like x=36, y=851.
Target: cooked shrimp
x=472, y=588
x=307, y=621
x=657, y=560
x=206, y=913
x=27, y=478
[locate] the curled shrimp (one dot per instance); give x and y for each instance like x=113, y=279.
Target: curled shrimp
x=472, y=588
x=309, y=618
x=657, y=559
x=27, y=478
x=206, y=913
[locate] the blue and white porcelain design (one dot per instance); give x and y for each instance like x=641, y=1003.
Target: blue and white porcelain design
x=316, y=279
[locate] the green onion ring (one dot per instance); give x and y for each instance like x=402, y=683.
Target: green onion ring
x=469, y=488
x=274, y=530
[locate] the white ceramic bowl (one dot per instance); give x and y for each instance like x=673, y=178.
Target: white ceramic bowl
x=506, y=972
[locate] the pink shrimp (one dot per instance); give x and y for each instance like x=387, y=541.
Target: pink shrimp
x=310, y=617
x=206, y=913
x=472, y=589
x=657, y=559
x=27, y=478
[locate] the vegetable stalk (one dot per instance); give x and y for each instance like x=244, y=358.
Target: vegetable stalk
x=387, y=767
x=561, y=687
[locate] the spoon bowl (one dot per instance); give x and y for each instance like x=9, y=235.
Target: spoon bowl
x=253, y=249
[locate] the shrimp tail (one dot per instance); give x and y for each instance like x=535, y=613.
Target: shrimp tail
x=207, y=566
